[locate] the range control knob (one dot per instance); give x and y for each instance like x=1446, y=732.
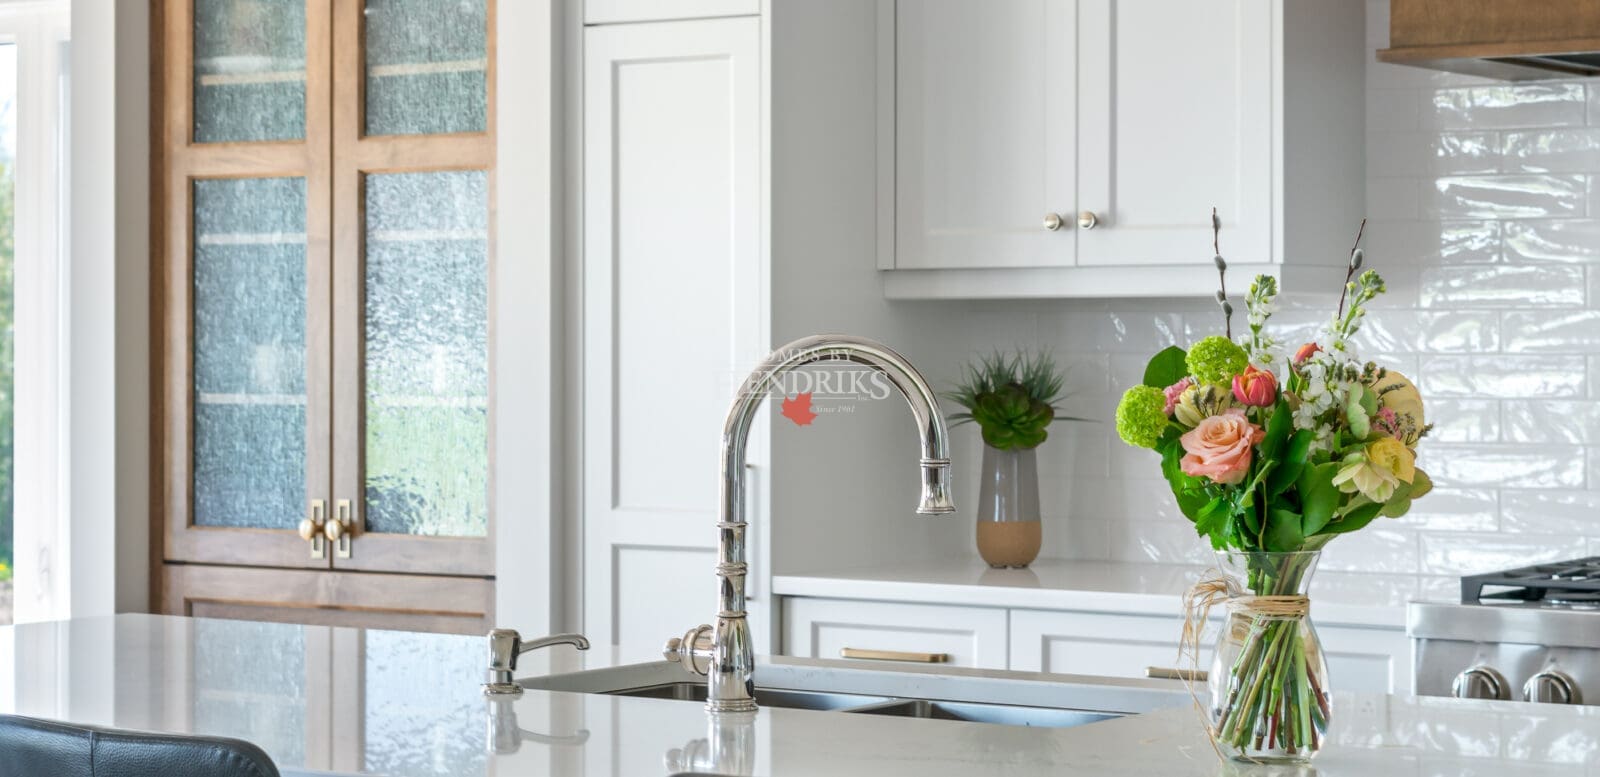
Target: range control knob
x=1481, y=682
x=1552, y=686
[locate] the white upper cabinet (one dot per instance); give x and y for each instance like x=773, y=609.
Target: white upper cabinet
x=1043, y=148
x=984, y=150
x=615, y=11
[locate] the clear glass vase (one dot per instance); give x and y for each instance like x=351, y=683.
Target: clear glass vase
x=1269, y=695
x=1009, y=532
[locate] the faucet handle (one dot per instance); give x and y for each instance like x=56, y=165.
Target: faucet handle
x=692, y=650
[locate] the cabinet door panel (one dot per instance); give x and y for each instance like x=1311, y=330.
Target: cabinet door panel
x=426, y=66
x=613, y=11
x=1175, y=100
x=249, y=352
x=672, y=310
x=984, y=133
x=249, y=70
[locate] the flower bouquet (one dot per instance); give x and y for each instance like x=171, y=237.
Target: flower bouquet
x=1271, y=456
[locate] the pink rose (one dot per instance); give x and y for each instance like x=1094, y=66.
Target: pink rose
x=1221, y=447
x=1175, y=391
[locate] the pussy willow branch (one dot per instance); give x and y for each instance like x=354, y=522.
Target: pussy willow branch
x=1222, y=274
x=1350, y=272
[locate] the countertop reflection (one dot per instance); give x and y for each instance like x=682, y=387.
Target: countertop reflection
x=353, y=701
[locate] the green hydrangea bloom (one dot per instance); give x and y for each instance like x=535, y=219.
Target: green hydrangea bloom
x=1142, y=416
x=1216, y=359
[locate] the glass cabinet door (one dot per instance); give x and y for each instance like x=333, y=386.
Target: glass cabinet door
x=411, y=285
x=249, y=70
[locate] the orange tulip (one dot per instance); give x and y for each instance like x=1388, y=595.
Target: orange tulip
x=1256, y=388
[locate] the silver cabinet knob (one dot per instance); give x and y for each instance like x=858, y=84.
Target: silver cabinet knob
x=1087, y=219
x=1480, y=682
x=1052, y=221
x=1552, y=687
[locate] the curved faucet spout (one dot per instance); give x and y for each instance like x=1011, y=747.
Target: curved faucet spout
x=731, y=664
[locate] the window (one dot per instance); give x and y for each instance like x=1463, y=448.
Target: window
x=33, y=53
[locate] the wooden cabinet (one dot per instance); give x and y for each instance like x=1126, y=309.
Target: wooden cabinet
x=1041, y=149
x=323, y=263
x=836, y=628
x=674, y=314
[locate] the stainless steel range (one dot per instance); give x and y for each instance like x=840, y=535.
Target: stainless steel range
x=1531, y=634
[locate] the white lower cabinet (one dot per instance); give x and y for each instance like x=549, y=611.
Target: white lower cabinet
x=1360, y=658
x=839, y=628
x=1114, y=645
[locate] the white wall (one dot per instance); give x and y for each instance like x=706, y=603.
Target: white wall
x=1484, y=221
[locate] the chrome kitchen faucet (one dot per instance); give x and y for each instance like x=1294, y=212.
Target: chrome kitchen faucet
x=724, y=653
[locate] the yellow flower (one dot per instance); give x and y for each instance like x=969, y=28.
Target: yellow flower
x=1376, y=471
x=1390, y=454
x=1198, y=403
x=1399, y=395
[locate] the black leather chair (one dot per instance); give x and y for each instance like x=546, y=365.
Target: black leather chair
x=43, y=748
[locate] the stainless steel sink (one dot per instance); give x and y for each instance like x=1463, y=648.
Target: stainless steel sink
x=929, y=693
x=767, y=697
x=1003, y=714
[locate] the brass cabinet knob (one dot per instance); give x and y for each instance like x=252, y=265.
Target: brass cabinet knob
x=308, y=529
x=1052, y=221
x=311, y=528
x=1087, y=220
x=333, y=530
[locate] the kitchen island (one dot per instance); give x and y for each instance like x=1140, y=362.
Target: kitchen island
x=352, y=701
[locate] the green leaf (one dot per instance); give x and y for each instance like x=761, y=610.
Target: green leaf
x=1213, y=519
x=1191, y=500
x=1278, y=427
x=1354, y=519
x=1283, y=531
x=1166, y=368
x=1292, y=463
x=1319, y=497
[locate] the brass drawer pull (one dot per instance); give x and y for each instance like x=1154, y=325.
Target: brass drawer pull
x=895, y=655
x=1169, y=673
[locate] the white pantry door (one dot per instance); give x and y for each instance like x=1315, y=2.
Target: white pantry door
x=984, y=133
x=1175, y=99
x=673, y=312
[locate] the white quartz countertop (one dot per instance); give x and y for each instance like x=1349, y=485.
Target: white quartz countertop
x=349, y=701
x=1359, y=599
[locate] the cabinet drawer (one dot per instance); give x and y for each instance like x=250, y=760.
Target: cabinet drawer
x=1359, y=659
x=959, y=636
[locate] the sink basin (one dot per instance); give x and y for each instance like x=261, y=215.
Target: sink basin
x=929, y=693
x=766, y=697
x=1003, y=714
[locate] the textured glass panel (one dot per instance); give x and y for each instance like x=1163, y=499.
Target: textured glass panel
x=427, y=66
x=236, y=694
x=427, y=357
x=419, y=720
x=249, y=70
x=249, y=352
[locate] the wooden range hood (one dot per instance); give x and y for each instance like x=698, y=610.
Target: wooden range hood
x=1512, y=40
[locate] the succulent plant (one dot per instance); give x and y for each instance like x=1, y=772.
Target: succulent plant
x=1012, y=398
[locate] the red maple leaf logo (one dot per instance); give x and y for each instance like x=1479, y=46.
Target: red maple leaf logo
x=798, y=409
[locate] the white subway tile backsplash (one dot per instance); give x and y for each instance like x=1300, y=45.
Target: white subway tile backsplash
x=1457, y=153
x=1554, y=331
x=1549, y=512
x=1390, y=199
x=1467, y=331
x=1574, y=422
x=1551, y=151
x=1502, y=285
x=1393, y=109
x=1505, y=106
x=1503, y=377
x=1433, y=242
x=1552, y=240
x=1503, y=466
x=1501, y=196
x=1464, y=420
x=1465, y=554
x=1377, y=548
x=1455, y=509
